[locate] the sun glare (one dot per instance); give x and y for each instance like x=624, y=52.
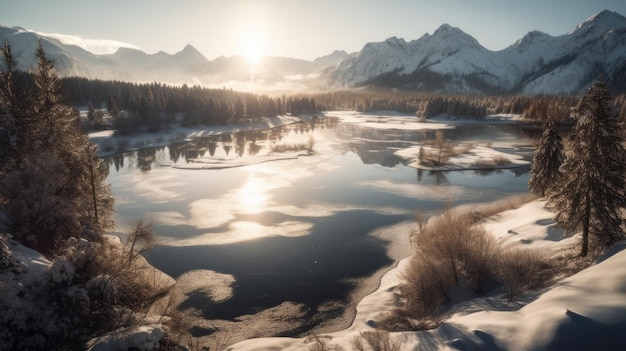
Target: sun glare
x=254, y=44
x=253, y=51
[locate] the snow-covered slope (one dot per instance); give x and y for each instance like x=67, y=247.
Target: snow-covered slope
x=124, y=64
x=585, y=311
x=447, y=61
x=186, y=66
x=452, y=61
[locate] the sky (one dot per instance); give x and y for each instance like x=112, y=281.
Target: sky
x=294, y=28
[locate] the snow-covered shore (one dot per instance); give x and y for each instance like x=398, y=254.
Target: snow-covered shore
x=474, y=158
x=584, y=311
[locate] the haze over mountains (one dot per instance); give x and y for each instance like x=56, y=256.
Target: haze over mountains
x=446, y=61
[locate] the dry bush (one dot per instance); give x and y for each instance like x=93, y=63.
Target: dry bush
x=521, y=269
x=137, y=285
x=294, y=145
x=400, y=319
x=500, y=160
x=479, y=258
x=492, y=162
x=442, y=242
x=375, y=341
x=452, y=248
x=424, y=285
x=321, y=343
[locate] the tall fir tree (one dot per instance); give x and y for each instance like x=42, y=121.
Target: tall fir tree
x=545, y=174
x=54, y=186
x=10, y=103
x=591, y=197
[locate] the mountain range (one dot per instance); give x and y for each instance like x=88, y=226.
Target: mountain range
x=446, y=61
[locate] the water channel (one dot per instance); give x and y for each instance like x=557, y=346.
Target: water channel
x=291, y=245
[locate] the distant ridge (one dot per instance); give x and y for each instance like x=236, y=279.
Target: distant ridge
x=451, y=61
x=447, y=61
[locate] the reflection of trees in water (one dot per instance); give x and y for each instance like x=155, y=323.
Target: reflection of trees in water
x=239, y=144
x=145, y=158
x=226, y=140
x=440, y=177
x=486, y=172
x=248, y=142
x=520, y=171
x=377, y=146
x=212, y=145
x=117, y=160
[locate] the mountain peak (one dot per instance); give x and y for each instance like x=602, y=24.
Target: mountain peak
x=601, y=23
x=447, y=32
x=395, y=41
x=531, y=38
x=191, y=55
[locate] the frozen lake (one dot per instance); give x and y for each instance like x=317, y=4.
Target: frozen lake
x=287, y=246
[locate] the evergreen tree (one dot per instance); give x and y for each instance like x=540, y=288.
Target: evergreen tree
x=112, y=107
x=545, y=174
x=10, y=103
x=592, y=197
x=54, y=186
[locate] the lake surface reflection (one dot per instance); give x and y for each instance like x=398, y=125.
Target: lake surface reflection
x=297, y=230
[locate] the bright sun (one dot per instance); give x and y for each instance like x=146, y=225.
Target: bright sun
x=254, y=45
x=254, y=51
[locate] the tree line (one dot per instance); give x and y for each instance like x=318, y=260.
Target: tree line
x=156, y=106
x=535, y=108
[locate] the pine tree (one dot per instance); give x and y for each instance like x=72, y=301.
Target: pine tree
x=592, y=197
x=54, y=156
x=547, y=161
x=112, y=107
x=10, y=103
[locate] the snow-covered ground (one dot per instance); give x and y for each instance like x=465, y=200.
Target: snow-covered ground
x=476, y=157
x=386, y=120
x=582, y=312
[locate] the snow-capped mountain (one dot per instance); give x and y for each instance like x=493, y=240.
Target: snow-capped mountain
x=125, y=64
x=446, y=61
x=452, y=61
x=186, y=66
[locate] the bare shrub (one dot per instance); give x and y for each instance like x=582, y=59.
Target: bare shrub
x=321, y=343
x=443, y=240
x=139, y=239
x=294, y=145
x=400, y=319
x=424, y=285
x=479, y=258
x=498, y=160
x=378, y=340
x=137, y=285
x=521, y=269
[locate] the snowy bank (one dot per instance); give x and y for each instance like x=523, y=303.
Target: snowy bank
x=386, y=120
x=582, y=312
x=475, y=158
x=501, y=118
